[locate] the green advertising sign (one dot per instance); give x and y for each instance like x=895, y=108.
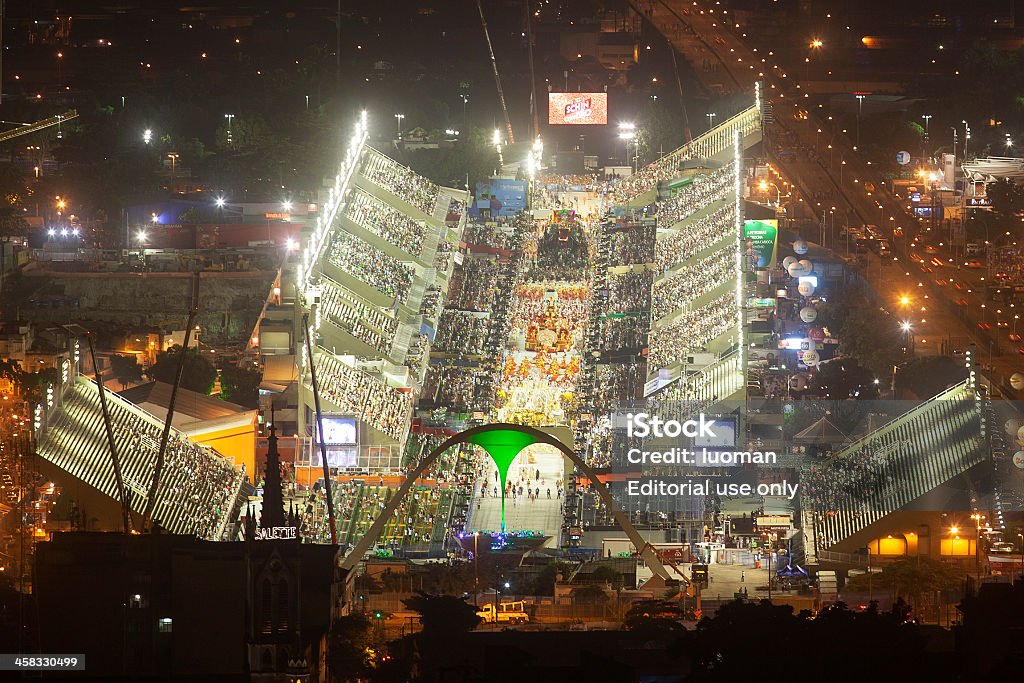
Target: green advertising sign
x=761, y=239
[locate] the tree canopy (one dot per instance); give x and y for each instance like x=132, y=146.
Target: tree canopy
x=440, y=614
x=199, y=375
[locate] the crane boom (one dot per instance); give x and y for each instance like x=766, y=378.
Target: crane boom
x=126, y=518
x=497, y=78
x=151, y=498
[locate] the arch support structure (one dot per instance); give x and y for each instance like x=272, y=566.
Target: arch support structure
x=503, y=442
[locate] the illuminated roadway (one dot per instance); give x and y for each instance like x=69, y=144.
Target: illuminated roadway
x=842, y=185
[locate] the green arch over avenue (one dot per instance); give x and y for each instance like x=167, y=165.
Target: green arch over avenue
x=503, y=442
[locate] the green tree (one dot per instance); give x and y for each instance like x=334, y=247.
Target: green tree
x=925, y=377
x=608, y=574
x=189, y=216
x=198, y=375
x=1007, y=202
x=873, y=337
x=911, y=578
x=589, y=593
x=32, y=384
x=126, y=369
x=845, y=378
x=442, y=614
x=544, y=584
x=348, y=645
x=655, y=616
x=240, y=385
x=474, y=155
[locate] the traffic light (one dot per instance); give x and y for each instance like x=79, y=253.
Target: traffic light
x=378, y=615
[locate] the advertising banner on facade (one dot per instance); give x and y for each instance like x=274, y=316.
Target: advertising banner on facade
x=761, y=240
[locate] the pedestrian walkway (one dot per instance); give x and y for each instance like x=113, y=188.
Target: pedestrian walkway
x=539, y=513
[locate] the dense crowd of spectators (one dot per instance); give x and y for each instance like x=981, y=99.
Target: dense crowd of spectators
x=692, y=331
x=358, y=393
x=474, y=285
x=844, y=485
x=693, y=281
x=386, y=222
x=490, y=234
x=198, y=487
x=630, y=291
x=696, y=237
x=364, y=322
x=462, y=333
x=371, y=265
x=631, y=245
x=628, y=333
x=704, y=190
x=400, y=181
x=443, y=257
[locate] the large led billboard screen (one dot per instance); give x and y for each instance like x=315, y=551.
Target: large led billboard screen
x=577, y=108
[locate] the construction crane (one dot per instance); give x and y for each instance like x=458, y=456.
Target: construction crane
x=126, y=517
x=320, y=429
x=497, y=78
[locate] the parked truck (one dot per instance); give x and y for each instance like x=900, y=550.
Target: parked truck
x=506, y=613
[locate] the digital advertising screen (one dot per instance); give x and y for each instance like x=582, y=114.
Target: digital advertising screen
x=721, y=435
x=340, y=431
x=577, y=108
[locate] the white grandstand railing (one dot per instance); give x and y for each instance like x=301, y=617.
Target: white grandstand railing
x=329, y=211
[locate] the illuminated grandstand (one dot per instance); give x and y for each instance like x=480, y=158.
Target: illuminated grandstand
x=199, y=489
x=371, y=276
x=895, y=465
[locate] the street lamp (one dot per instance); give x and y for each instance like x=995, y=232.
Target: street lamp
x=399, y=117
x=174, y=158
x=860, y=110
x=476, y=568
x=711, y=117
x=229, y=117
x=927, y=118
x=147, y=135
x=763, y=186
x=626, y=133
x=977, y=517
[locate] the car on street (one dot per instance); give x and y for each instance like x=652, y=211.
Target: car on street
x=973, y=264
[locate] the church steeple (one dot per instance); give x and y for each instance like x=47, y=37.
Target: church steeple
x=273, y=498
